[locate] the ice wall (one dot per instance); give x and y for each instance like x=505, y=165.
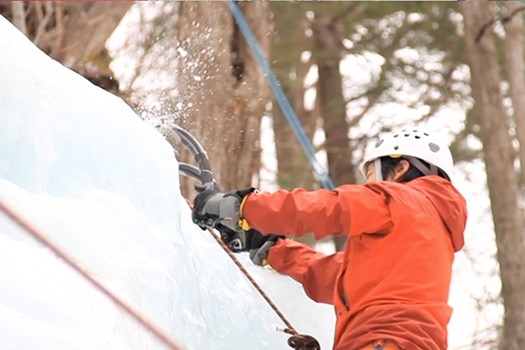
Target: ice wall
x=78, y=164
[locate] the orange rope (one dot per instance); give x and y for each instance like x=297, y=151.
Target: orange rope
x=290, y=328
x=163, y=336
x=296, y=341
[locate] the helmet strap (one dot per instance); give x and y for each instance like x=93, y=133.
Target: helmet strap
x=432, y=170
x=379, y=172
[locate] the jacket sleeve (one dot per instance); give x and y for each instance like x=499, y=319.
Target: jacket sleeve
x=317, y=272
x=347, y=210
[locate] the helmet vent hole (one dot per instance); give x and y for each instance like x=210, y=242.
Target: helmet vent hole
x=407, y=135
x=417, y=137
x=426, y=134
x=396, y=147
x=433, y=147
x=378, y=143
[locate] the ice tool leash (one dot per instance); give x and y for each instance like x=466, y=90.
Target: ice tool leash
x=203, y=173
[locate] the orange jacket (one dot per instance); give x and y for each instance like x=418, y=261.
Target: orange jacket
x=393, y=279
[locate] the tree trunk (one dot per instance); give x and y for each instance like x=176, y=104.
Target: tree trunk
x=81, y=46
x=222, y=92
x=288, y=43
x=328, y=49
x=515, y=64
x=294, y=170
x=19, y=20
x=499, y=161
x=72, y=33
x=332, y=104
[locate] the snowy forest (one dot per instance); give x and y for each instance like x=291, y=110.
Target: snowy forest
x=351, y=71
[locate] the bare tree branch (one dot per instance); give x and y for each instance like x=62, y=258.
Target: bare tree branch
x=495, y=20
x=19, y=16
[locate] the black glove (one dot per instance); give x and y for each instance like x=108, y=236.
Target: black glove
x=259, y=245
x=198, y=215
x=235, y=240
x=211, y=207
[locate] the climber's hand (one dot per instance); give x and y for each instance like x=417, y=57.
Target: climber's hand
x=211, y=207
x=235, y=240
x=259, y=245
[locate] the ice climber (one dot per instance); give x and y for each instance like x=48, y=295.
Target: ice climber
x=390, y=286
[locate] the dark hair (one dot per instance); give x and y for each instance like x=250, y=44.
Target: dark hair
x=389, y=164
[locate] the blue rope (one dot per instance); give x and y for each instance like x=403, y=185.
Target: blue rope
x=320, y=171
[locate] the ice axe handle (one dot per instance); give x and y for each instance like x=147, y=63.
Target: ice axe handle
x=205, y=167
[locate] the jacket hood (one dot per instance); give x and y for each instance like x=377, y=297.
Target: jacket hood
x=450, y=204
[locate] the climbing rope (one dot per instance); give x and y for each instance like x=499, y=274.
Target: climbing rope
x=163, y=336
x=296, y=341
x=236, y=261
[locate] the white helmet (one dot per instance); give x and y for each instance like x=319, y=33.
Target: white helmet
x=413, y=143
